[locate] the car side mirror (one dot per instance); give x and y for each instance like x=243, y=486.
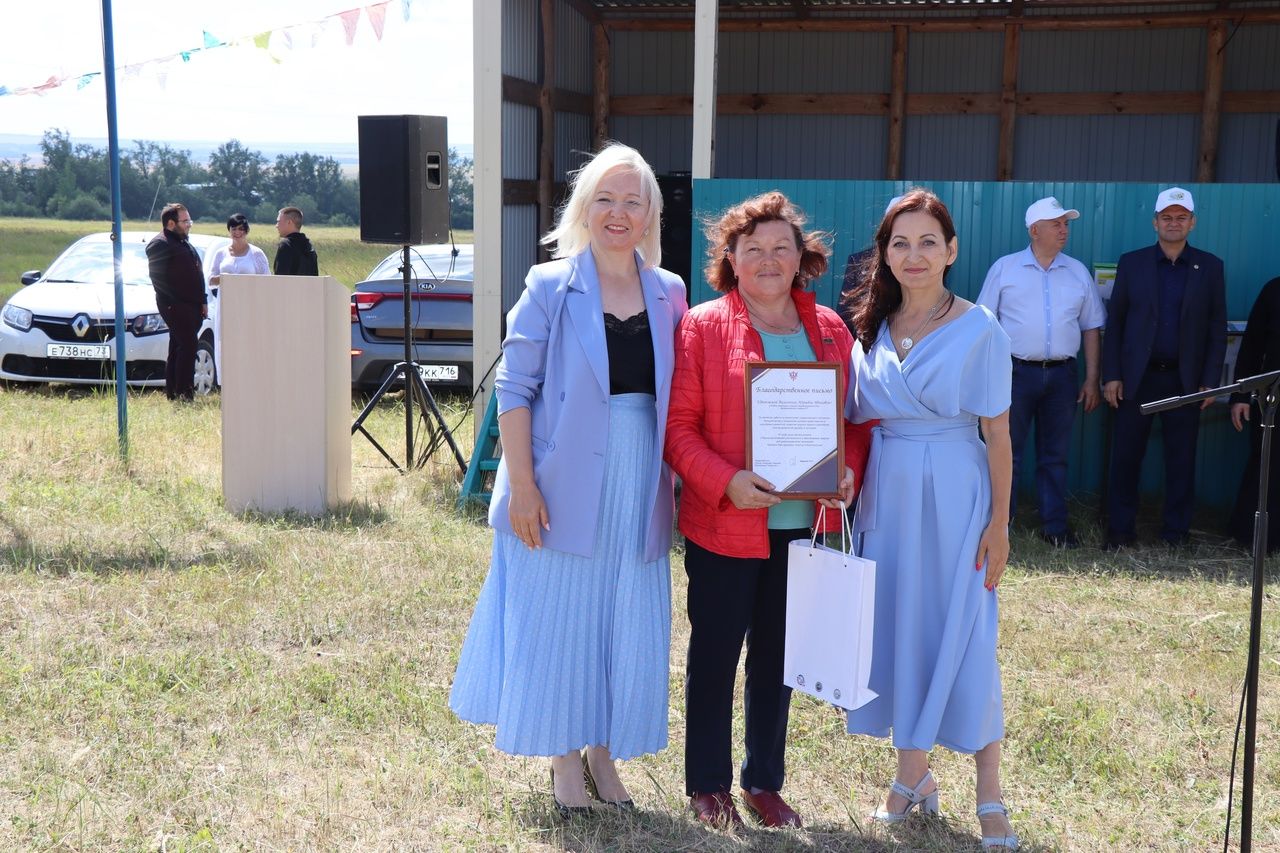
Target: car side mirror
x=30, y=277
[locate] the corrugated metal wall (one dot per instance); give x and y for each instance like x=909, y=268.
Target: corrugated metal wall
x=522, y=58
x=573, y=49
x=955, y=147
x=520, y=39
x=1115, y=218
x=573, y=143
x=519, y=249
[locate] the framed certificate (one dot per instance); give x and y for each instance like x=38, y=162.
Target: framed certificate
x=795, y=429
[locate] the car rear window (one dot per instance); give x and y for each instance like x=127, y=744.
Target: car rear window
x=426, y=265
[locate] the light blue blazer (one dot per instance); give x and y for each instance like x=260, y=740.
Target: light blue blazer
x=556, y=364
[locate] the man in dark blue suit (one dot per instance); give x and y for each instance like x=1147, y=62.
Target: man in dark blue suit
x=1166, y=335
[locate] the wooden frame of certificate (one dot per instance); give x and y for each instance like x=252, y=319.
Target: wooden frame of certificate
x=795, y=426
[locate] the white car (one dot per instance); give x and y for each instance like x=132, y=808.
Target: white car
x=61, y=326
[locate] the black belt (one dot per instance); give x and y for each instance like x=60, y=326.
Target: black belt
x=1048, y=362
x=1162, y=365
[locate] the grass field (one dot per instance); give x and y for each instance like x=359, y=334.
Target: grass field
x=174, y=676
x=177, y=677
x=31, y=244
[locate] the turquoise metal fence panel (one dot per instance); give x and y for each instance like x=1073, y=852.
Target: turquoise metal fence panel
x=1238, y=222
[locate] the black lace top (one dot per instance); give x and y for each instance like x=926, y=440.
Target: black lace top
x=631, y=369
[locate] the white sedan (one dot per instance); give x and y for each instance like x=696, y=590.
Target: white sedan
x=61, y=326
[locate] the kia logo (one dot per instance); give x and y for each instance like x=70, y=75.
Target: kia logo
x=80, y=325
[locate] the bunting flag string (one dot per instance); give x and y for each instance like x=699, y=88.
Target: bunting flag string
x=286, y=39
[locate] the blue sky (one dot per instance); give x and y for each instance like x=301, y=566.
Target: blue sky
x=313, y=93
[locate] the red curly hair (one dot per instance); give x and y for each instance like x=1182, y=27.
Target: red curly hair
x=742, y=219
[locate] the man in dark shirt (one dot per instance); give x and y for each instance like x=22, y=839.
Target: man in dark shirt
x=178, y=280
x=1166, y=336
x=294, y=253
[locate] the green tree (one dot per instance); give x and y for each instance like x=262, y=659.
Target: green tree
x=237, y=177
x=461, y=190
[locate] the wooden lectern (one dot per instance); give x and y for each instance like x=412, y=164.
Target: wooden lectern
x=286, y=393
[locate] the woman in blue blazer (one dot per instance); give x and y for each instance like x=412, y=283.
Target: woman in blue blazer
x=569, y=643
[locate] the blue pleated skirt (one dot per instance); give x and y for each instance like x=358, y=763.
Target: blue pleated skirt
x=566, y=651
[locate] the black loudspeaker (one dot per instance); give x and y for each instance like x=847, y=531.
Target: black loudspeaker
x=677, y=224
x=404, y=179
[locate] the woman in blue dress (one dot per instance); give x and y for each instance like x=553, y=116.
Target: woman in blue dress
x=569, y=645
x=934, y=510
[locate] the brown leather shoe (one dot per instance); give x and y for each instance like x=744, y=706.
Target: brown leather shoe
x=770, y=809
x=715, y=809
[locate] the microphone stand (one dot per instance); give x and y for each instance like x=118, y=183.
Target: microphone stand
x=1266, y=387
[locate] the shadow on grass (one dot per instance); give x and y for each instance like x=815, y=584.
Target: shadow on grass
x=653, y=829
x=67, y=391
x=20, y=554
x=1208, y=555
x=348, y=516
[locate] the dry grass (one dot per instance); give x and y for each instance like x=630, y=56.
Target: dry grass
x=176, y=677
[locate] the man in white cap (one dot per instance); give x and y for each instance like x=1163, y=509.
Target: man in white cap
x=1048, y=304
x=1166, y=336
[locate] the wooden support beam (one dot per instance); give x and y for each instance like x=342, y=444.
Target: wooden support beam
x=897, y=104
x=980, y=23
x=584, y=8
x=517, y=91
x=600, y=60
x=547, y=123
x=949, y=103
x=526, y=192
x=1008, y=103
x=1211, y=109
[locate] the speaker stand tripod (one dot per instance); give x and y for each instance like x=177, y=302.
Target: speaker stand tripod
x=415, y=387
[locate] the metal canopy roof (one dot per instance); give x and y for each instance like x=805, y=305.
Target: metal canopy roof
x=805, y=8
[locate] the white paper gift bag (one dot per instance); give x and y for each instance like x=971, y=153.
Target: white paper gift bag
x=830, y=615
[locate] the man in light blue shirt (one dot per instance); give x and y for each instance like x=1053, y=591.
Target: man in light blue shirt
x=1048, y=304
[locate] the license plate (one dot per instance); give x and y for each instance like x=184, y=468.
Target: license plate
x=438, y=372
x=94, y=351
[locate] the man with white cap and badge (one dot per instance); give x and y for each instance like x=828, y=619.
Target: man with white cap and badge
x=1166, y=336
x=1048, y=304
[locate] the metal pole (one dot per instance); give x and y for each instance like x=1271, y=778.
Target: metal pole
x=1269, y=402
x=117, y=217
x=408, y=364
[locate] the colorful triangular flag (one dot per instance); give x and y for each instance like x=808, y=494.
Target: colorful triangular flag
x=350, y=19
x=377, y=17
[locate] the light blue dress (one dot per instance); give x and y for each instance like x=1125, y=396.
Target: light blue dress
x=924, y=505
x=566, y=651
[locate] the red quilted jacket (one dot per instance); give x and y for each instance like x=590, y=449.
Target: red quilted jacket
x=706, y=424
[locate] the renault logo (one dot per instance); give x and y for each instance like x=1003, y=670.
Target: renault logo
x=80, y=325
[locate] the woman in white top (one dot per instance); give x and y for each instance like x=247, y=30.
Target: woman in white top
x=239, y=258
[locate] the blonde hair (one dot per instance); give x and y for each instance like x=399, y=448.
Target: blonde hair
x=570, y=237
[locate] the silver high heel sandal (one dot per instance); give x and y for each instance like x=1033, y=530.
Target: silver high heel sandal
x=928, y=803
x=1004, y=842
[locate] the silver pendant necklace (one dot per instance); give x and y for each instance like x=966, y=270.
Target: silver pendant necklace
x=910, y=340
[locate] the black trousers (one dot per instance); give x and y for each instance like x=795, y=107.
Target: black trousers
x=732, y=599
x=1180, y=427
x=183, y=320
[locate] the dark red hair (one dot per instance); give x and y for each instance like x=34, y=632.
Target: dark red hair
x=742, y=219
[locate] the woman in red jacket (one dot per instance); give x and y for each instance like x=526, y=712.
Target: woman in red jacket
x=736, y=529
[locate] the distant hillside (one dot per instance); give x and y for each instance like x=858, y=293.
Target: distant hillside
x=15, y=146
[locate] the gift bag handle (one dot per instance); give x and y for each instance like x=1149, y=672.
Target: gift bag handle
x=846, y=532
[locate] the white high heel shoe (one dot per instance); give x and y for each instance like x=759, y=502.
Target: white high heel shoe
x=1004, y=842
x=928, y=803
